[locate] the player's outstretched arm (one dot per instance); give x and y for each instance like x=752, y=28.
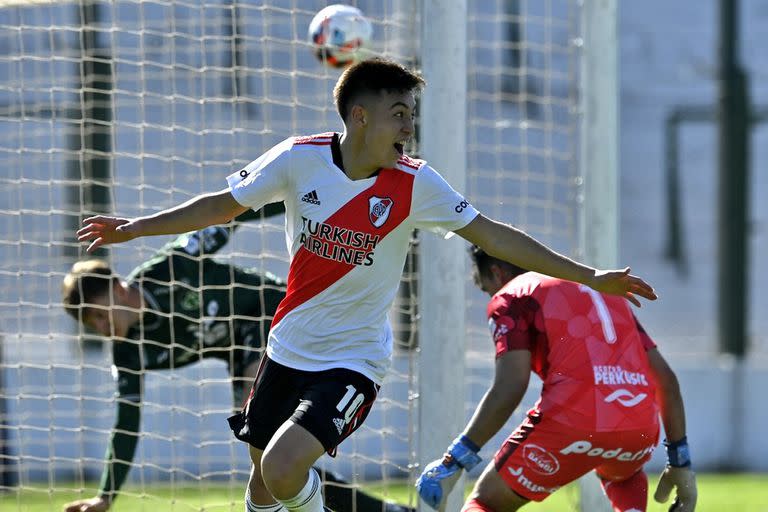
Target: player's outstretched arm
x=515, y=246
x=269, y=210
x=197, y=213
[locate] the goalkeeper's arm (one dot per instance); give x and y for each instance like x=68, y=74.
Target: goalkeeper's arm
x=668, y=396
x=678, y=474
x=513, y=370
x=509, y=385
x=121, y=449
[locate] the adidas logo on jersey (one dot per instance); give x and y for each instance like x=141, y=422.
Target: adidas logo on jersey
x=339, y=424
x=310, y=197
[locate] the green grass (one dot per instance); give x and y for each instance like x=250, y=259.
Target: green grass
x=717, y=493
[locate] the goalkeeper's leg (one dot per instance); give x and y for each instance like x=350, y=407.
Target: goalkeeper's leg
x=341, y=496
x=474, y=505
x=628, y=494
x=491, y=493
x=624, y=482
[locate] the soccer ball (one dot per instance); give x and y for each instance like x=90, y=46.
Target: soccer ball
x=337, y=34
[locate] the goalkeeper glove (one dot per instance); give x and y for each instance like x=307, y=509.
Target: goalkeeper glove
x=439, y=477
x=678, y=475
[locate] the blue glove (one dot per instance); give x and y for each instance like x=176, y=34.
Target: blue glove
x=464, y=452
x=436, y=481
x=439, y=477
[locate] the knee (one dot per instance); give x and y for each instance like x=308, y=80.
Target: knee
x=283, y=474
x=491, y=493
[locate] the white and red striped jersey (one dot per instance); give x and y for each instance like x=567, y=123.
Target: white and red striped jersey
x=348, y=241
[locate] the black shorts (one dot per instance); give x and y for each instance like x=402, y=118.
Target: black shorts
x=330, y=404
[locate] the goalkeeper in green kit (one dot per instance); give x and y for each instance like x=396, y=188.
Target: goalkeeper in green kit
x=180, y=307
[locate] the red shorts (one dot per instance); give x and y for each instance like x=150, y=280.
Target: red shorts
x=542, y=455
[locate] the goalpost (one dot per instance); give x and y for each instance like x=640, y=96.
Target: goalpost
x=541, y=149
x=132, y=106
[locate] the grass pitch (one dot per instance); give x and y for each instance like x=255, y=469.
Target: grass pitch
x=717, y=492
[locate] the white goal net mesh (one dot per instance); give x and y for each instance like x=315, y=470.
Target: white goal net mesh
x=134, y=106
x=522, y=149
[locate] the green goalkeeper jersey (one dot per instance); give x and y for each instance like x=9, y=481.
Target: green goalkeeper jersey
x=194, y=308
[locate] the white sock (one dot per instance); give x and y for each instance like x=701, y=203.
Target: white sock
x=252, y=507
x=309, y=499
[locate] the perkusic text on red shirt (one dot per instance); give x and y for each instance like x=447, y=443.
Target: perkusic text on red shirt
x=337, y=243
x=616, y=375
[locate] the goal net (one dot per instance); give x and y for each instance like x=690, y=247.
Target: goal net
x=134, y=106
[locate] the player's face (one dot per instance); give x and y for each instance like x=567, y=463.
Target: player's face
x=390, y=118
x=108, y=317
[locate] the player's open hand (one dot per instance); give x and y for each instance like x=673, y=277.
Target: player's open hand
x=621, y=282
x=684, y=481
x=102, y=230
x=96, y=504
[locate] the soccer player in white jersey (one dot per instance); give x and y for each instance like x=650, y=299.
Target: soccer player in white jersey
x=352, y=201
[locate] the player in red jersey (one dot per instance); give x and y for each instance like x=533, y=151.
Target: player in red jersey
x=604, y=384
x=352, y=201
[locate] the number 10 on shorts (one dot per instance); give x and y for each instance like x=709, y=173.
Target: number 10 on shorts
x=349, y=406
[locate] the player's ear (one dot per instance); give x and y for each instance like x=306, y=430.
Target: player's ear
x=121, y=291
x=497, y=272
x=358, y=115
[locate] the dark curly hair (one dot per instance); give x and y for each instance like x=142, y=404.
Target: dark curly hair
x=483, y=262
